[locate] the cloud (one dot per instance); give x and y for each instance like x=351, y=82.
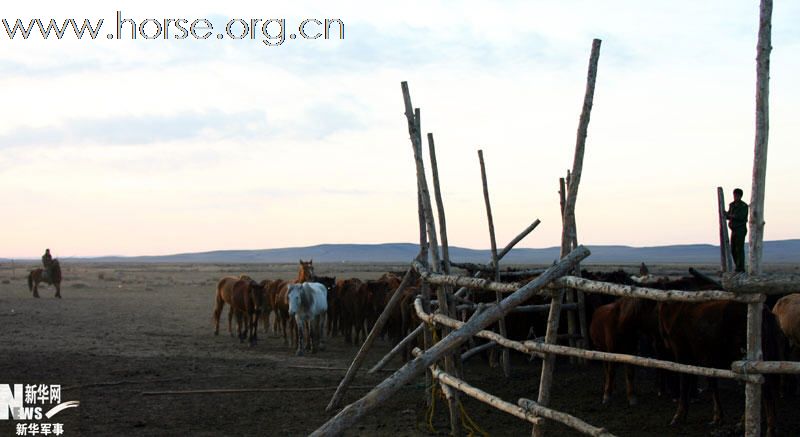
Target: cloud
x=139, y=130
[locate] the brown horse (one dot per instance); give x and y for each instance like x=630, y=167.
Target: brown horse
x=246, y=300
x=617, y=327
x=37, y=276
x=713, y=334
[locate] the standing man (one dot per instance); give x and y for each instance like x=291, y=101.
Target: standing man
x=737, y=221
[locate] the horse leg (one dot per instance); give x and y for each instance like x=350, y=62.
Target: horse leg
x=314, y=331
x=241, y=326
x=284, y=328
x=321, y=331
x=630, y=391
x=683, y=400
x=230, y=319
x=254, y=328
x=300, y=335
x=608, y=386
x=769, y=394
x=267, y=316
x=58, y=290
x=217, y=312
x=309, y=326
x=36, y=289
x=717, y=418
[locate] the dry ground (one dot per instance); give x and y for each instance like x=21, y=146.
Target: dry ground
x=124, y=329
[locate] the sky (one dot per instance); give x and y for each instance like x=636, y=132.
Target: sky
x=145, y=147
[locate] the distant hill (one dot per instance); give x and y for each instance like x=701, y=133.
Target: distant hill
x=782, y=251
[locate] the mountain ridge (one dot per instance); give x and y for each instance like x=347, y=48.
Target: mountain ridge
x=777, y=251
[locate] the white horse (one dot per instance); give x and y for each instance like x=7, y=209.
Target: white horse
x=308, y=302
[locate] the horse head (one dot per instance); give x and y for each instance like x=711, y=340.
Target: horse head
x=293, y=296
x=257, y=295
x=306, y=272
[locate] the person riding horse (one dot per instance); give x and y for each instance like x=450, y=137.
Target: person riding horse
x=47, y=261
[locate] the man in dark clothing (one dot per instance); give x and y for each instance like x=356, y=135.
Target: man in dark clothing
x=737, y=221
x=47, y=261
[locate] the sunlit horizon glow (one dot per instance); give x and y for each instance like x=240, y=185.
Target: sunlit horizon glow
x=163, y=147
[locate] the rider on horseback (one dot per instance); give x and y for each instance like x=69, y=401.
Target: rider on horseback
x=47, y=261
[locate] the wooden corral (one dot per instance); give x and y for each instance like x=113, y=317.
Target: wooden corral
x=564, y=288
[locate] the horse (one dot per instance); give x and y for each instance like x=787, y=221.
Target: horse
x=616, y=327
x=245, y=298
x=787, y=311
x=353, y=297
x=713, y=334
x=308, y=303
x=39, y=275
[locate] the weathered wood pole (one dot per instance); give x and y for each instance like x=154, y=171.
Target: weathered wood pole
x=505, y=251
x=505, y=357
x=568, y=293
x=569, y=231
x=415, y=132
x=373, y=334
x=425, y=292
x=437, y=193
x=487, y=398
x=397, y=349
x=753, y=391
x=726, y=259
x=517, y=239
x=352, y=413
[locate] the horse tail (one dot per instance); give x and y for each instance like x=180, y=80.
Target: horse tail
x=30, y=281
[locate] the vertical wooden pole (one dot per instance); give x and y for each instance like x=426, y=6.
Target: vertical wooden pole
x=762, y=138
x=753, y=390
x=498, y=296
x=568, y=293
x=414, y=128
x=726, y=259
x=437, y=192
x=569, y=231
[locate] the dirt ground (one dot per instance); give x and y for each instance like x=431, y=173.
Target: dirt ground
x=122, y=330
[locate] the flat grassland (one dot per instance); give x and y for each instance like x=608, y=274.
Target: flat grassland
x=125, y=329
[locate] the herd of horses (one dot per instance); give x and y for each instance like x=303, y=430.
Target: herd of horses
x=308, y=307
x=709, y=334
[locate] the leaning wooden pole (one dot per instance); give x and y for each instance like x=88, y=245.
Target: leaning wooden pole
x=373, y=334
x=569, y=229
x=726, y=259
x=437, y=193
x=425, y=292
x=505, y=356
x=352, y=413
x=399, y=347
x=414, y=130
x=753, y=391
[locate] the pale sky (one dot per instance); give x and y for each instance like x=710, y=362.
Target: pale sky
x=164, y=146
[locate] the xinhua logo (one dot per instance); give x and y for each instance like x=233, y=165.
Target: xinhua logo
x=33, y=402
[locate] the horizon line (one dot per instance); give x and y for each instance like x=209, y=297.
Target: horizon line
x=26, y=258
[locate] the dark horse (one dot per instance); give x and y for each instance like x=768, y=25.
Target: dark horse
x=38, y=275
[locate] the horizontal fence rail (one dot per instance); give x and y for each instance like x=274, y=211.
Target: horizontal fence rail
x=589, y=286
